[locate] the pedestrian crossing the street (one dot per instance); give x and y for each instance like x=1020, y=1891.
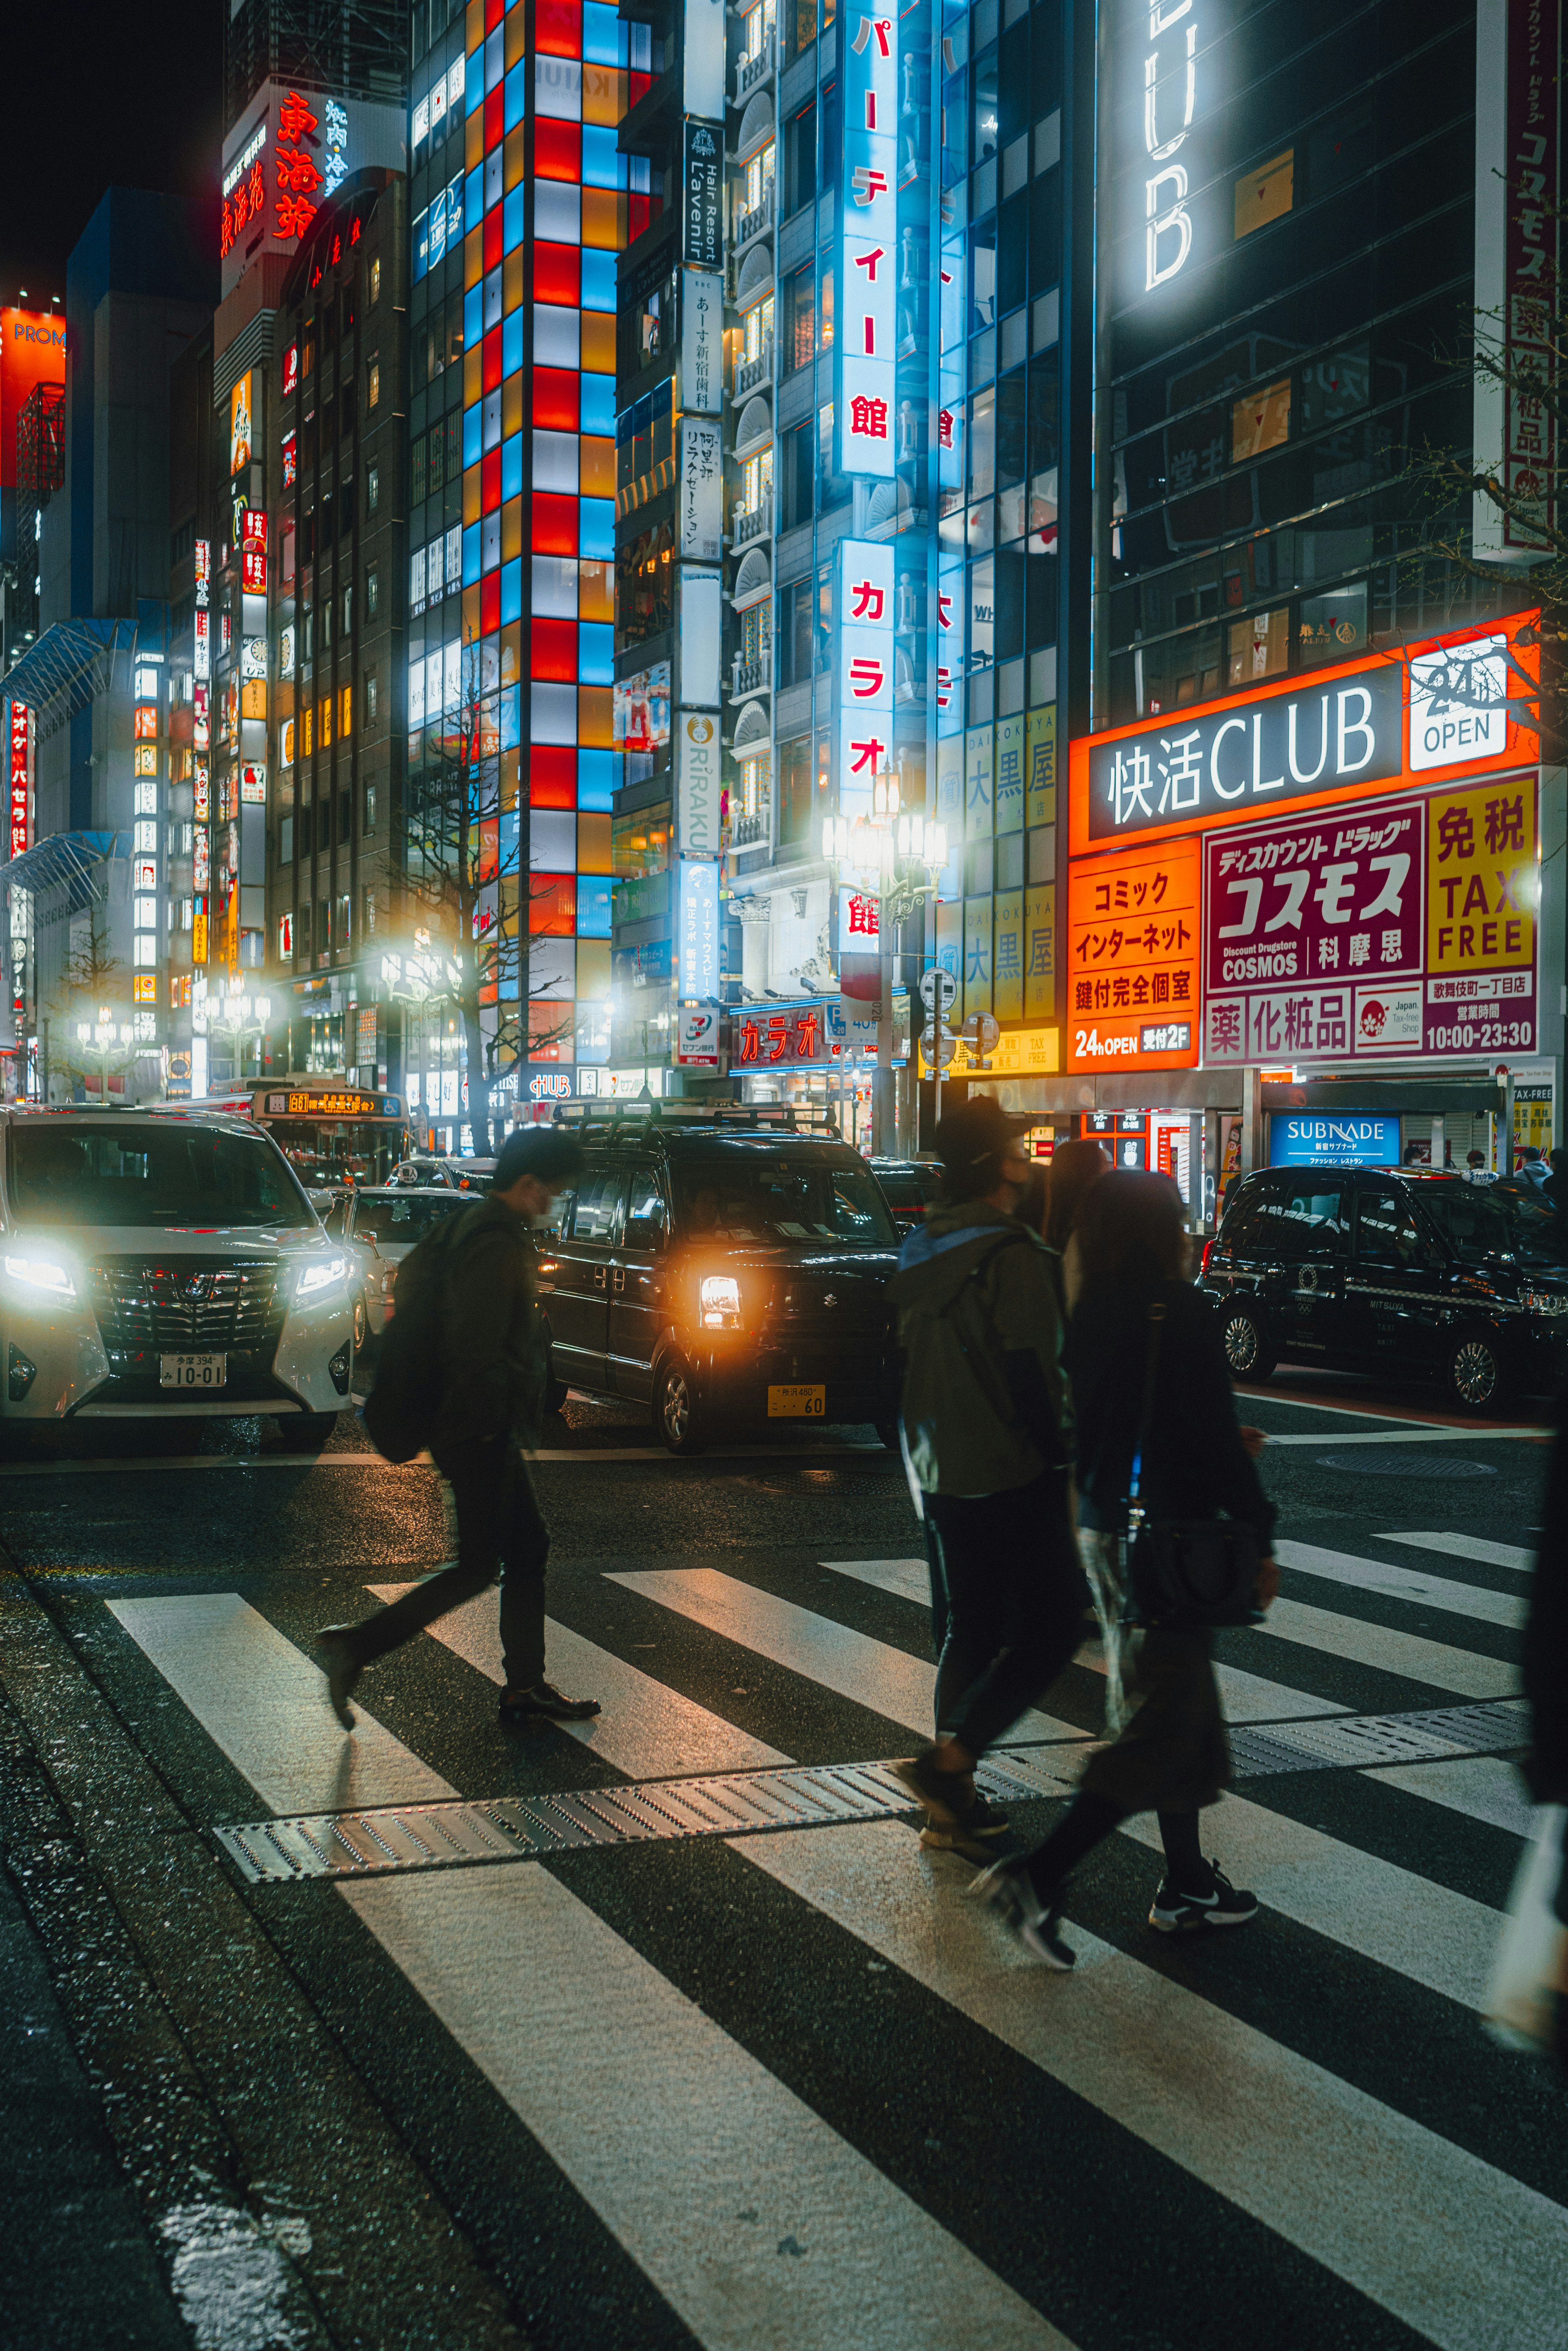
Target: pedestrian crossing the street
x=723, y=2045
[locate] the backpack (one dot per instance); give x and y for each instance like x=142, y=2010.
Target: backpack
x=402, y=1407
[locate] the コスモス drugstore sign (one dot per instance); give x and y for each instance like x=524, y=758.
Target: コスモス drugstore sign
x=1453, y=707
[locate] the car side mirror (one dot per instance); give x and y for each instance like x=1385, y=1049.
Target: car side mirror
x=644, y=1233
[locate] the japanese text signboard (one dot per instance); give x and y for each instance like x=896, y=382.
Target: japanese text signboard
x=864, y=695
x=1400, y=926
x=1133, y=935
x=287, y=157
x=702, y=215
x=864, y=406
x=1518, y=185
x=21, y=731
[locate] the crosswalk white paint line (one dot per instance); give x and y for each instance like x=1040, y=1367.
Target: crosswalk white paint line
x=1484, y=1787
x=264, y=1704
x=1451, y=2246
x=1400, y=1437
x=647, y=1731
x=872, y=1673
x=762, y=2228
x=1403, y=1583
x=1247, y=1696
x=1408, y=1653
x=1476, y=1547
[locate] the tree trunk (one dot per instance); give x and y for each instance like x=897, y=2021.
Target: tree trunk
x=478, y=1081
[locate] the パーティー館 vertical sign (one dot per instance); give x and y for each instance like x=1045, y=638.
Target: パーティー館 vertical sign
x=868, y=242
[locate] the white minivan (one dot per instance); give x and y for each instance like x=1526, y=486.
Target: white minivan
x=157, y=1267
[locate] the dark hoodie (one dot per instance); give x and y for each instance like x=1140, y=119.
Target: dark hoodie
x=984, y=1405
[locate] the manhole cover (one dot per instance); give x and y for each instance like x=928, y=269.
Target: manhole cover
x=1415, y=1462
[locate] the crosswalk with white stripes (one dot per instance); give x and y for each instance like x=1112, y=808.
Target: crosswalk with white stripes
x=1313, y=2108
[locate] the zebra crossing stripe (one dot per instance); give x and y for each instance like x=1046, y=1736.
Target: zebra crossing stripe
x=1486, y=1554
x=1410, y=1655
x=647, y=1731
x=761, y=2227
x=1482, y=1787
x=264, y=1702
x=1434, y=1591
x=886, y=1680
x=1451, y=2246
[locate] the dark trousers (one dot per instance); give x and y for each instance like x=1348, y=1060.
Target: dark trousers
x=1008, y=1596
x=500, y=1527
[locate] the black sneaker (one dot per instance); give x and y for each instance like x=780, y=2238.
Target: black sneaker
x=1007, y=1889
x=970, y=1832
x=341, y=1667
x=947, y=1796
x=544, y=1698
x=1185, y=1914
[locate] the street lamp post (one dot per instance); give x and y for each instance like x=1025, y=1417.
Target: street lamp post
x=896, y=858
x=236, y=1015
x=106, y=1032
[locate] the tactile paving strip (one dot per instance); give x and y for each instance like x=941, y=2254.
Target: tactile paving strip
x=396, y=1837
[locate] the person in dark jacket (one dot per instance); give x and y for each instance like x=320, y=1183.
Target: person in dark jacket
x=495, y=1378
x=1075, y=1169
x=1127, y=1254
x=986, y=1435
x=1546, y=1670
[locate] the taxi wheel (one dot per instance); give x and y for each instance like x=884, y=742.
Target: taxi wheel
x=1476, y=1378
x=675, y=1411
x=1247, y=1351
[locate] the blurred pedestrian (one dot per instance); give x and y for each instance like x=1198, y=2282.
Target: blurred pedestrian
x=1076, y=1168
x=1555, y=1186
x=1532, y=1169
x=987, y=1442
x=495, y=1381
x=1127, y=1256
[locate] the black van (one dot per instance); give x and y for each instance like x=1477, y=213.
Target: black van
x=724, y=1268
x=1427, y=1274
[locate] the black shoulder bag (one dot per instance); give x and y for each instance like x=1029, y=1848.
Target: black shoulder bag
x=1182, y=1573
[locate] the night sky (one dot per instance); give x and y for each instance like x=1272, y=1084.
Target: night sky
x=96, y=95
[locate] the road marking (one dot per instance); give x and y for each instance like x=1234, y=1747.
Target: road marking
x=1450, y=2245
x=1403, y=1436
x=1272, y=1394
x=1247, y=1696
x=264, y=1704
x=1403, y=1584
x=872, y=1673
x=1483, y=1787
x=760, y=2226
x=91, y=1468
x=1474, y=1547
x=647, y=1731
x=1406, y=1654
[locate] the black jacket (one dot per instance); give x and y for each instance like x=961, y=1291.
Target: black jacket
x=1546, y=1634
x=493, y=1356
x=1195, y=1466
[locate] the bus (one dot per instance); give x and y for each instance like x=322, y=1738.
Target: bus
x=329, y=1133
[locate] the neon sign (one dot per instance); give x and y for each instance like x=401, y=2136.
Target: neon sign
x=20, y=732
x=1168, y=233
x=298, y=174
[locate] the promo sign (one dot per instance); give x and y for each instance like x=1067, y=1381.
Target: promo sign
x=697, y=1037
x=1344, y=1139
x=702, y=626
x=699, y=929
x=701, y=492
x=701, y=347
x=21, y=778
x=698, y=760
x=793, y=1035
x=1133, y=931
x=864, y=694
x=864, y=406
x=702, y=216
x=1403, y=927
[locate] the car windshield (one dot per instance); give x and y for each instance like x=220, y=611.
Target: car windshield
x=781, y=1200
x=404, y=1217
x=1480, y=1222
x=173, y=1176
x=909, y=1188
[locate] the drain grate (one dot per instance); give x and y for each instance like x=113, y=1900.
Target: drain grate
x=398, y=1837
x=372, y=1844
x=1348, y=1741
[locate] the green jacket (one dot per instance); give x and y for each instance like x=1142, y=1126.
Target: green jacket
x=985, y=1404
x=494, y=1358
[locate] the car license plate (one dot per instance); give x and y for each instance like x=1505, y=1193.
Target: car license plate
x=797, y=1403
x=193, y=1370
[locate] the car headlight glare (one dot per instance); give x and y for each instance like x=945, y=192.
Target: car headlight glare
x=324, y=1275
x=1541, y=1301
x=719, y=1294
x=42, y=1273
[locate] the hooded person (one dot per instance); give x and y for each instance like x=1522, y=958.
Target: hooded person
x=987, y=1440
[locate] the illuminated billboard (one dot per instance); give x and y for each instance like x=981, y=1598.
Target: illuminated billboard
x=32, y=351
x=285, y=157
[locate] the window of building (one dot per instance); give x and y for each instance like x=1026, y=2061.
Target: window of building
x=373, y=385
x=375, y=284
x=340, y=906
x=345, y=712
x=349, y=611
x=799, y=318
x=370, y=821
x=372, y=593
x=1259, y=647
x=985, y=108
x=286, y=841
x=800, y=157
x=1261, y=421
x=372, y=696
x=1267, y=194
x=1334, y=387
x=373, y=488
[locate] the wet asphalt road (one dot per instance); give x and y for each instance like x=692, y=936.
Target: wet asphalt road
x=457, y=2108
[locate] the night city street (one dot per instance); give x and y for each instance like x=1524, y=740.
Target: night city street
x=764, y=2089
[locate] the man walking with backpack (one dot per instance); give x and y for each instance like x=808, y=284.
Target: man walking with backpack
x=987, y=1432
x=492, y=1379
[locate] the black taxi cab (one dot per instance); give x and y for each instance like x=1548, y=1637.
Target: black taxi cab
x=1425, y=1275
x=725, y=1268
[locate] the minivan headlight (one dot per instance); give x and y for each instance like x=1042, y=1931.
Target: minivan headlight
x=720, y=1297
x=324, y=1275
x=1540, y=1301
x=43, y=1273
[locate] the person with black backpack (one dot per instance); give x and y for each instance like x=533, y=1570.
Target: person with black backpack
x=987, y=1436
x=465, y=1370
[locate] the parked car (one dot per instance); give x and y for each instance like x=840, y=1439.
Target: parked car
x=726, y=1269
x=1420, y=1273
x=156, y=1266
x=909, y=1186
x=384, y=1221
x=455, y=1175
